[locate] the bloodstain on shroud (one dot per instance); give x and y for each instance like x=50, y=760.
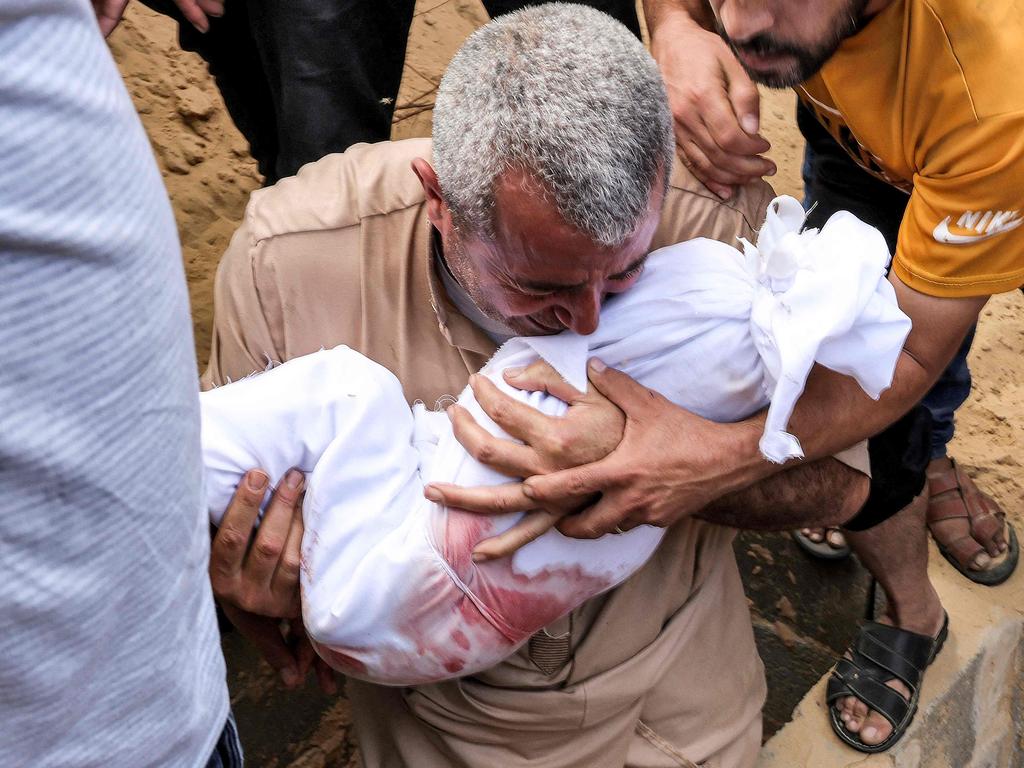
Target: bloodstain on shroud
x=452, y=629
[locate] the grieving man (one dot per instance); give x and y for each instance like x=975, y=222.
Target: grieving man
x=548, y=180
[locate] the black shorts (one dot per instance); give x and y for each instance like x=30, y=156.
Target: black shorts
x=899, y=458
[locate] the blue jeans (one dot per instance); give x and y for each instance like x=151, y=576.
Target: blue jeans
x=948, y=394
x=228, y=752
x=834, y=182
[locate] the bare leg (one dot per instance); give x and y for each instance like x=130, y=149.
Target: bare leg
x=896, y=554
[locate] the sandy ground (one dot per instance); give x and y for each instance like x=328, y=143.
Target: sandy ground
x=209, y=176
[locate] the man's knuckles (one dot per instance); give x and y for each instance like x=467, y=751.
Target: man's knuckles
x=289, y=567
x=500, y=410
x=485, y=451
x=502, y=503
x=230, y=541
x=268, y=547
x=579, y=484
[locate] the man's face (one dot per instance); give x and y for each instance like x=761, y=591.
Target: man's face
x=539, y=275
x=781, y=43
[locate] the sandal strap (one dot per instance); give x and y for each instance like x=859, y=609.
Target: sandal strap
x=944, y=481
x=949, y=507
x=990, y=521
x=847, y=680
x=954, y=496
x=880, y=655
x=912, y=646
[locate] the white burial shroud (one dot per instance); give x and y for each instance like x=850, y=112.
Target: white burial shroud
x=390, y=591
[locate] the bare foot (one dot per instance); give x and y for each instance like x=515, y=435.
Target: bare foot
x=833, y=536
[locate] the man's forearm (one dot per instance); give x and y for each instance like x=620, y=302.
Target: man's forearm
x=810, y=495
x=832, y=414
x=697, y=11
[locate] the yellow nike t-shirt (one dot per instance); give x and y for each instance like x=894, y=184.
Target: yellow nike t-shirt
x=929, y=96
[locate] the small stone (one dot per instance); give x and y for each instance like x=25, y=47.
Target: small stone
x=762, y=553
x=788, y=637
x=173, y=160
x=785, y=608
x=192, y=148
x=194, y=105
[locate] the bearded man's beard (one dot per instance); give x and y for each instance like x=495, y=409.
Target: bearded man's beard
x=807, y=59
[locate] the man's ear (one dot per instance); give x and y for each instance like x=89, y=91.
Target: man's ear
x=437, y=208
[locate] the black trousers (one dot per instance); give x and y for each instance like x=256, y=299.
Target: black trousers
x=304, y=78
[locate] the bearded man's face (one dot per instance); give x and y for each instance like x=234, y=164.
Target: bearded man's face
x=781, y=43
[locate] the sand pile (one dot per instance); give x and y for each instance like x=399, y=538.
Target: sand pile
x=204, y=160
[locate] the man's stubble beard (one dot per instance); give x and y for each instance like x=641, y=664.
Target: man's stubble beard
x=467, y=276
x=808, y=60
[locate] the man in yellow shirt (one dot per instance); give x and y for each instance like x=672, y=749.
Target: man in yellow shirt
x=918, y=93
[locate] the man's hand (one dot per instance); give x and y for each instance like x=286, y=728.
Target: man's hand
x=109, y=12
x=664, y=469
x=262, y=578
x=657, y=473
x=588, y=431
x=715, y=105
x=257, y=582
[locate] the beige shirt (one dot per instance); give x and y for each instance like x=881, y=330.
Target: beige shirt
x=340, y=253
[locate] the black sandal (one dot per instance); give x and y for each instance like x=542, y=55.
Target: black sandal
x=882, y=653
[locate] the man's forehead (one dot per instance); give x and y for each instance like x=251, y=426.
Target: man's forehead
x=522, y=205
x=531, y=235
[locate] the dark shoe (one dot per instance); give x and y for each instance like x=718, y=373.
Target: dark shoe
x=880, y=654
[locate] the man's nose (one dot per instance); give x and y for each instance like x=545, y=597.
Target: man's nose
x=582, y=314
x=744, y=19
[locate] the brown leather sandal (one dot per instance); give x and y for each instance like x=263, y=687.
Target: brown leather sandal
x=953, y=495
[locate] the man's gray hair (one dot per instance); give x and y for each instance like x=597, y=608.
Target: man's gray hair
x=567, y=94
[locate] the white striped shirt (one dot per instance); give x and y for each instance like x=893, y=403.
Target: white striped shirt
x=109, y=652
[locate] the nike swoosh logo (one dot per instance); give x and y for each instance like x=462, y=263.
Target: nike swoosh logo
x=942, y=234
